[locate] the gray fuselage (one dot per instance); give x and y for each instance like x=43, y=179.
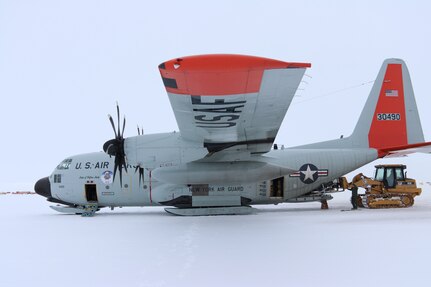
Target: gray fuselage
x=72, y=180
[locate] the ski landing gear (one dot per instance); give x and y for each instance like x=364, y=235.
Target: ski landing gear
x=89, y=210
x=85, y=211
x=205, y=211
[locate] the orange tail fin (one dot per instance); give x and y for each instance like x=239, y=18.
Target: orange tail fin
x=390, y=117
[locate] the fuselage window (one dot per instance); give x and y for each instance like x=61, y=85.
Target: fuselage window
x=65, y=164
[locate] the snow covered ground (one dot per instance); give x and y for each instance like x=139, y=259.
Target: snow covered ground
x=285, y=245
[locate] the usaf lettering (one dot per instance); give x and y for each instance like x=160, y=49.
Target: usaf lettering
x=216, y=114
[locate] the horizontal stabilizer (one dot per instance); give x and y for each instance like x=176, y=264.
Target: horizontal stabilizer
x=399, y=151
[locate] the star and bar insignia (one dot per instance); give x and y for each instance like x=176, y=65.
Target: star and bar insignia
x=309, y=173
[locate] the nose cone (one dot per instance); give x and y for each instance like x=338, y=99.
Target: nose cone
x=43, y=187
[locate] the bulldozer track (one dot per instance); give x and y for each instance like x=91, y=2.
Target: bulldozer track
x=377, y=201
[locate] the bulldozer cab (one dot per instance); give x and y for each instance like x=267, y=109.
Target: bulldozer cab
x=390, y=174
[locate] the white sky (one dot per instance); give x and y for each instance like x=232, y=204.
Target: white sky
x=64, y=64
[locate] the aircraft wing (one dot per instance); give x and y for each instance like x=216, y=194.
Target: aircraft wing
x=230, y=101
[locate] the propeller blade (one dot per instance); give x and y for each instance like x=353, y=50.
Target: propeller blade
x=121, y=176
x=123, y=159
x=113, y=125
x=115, y=170
x=124, y=126
x=118, y=120
x=136, y=169
x=118, y=166
x=141, y=174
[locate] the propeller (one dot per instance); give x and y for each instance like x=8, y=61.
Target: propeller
x=115, y=146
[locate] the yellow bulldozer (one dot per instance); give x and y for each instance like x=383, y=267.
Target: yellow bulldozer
x=390, y=187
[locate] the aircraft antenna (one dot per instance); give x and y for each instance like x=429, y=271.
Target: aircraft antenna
x=333, y=92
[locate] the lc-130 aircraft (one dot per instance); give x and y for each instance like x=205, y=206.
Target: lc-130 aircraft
x=229, y=109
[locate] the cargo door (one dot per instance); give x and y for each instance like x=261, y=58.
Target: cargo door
x=277, y=187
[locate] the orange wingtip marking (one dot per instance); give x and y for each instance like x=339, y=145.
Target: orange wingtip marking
x=221, y=74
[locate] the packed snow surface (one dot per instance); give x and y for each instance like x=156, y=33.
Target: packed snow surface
x=284, y=245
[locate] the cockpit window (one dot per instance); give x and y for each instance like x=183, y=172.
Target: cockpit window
x=65, y=164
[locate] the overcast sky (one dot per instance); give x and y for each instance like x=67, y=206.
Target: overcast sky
x=64, y=64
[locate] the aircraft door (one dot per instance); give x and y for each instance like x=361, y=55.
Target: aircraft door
x=277, y=187
x=91, y=192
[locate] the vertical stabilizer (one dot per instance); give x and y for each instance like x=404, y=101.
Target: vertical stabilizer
x=390, y=117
